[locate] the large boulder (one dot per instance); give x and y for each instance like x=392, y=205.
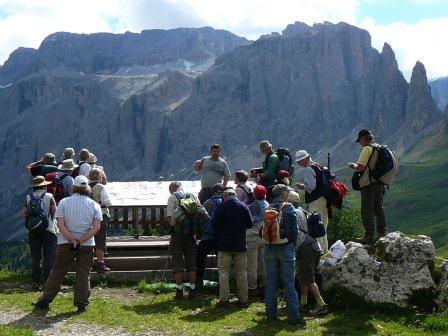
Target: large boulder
x=393, y=271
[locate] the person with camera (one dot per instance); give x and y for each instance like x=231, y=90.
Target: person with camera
x=78, y=219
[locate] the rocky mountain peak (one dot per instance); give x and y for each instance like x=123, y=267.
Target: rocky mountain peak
x=420, y=108
x=295, y=28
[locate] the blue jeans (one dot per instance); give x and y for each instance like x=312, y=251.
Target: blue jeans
x=280, y=261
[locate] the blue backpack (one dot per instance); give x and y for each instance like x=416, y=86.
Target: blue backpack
x=37, y=219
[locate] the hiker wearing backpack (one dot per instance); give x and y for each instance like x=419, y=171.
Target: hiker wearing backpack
x=229, y=224
x=308, y=257
x=213, y=169
x=62, y=182
x=83, y=167
x=243, y=192
x=270, y=165
x=372, y=191
x=99, y=195
x=78, y=219
x=183, y=211
x=279, y=234
x=313, y=183
x=208, y=241
x=255, y=249
x=38, y=211
x=44, y=166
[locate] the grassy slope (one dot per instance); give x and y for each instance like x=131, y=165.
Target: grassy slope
x=418, y=200
x=201, y=317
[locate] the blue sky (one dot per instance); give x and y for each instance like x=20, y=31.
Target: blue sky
x=416, y=29
x=386, y=12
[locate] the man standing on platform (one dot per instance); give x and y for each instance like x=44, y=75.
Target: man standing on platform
x=213, y=170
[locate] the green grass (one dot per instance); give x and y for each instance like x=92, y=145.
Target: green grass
x=348, y=316
x=8, y=330
x=417, y=202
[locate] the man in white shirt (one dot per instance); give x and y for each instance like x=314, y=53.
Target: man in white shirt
x=78, y=219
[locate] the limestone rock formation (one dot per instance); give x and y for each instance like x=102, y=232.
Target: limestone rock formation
x=421, y=108
x=106, y=53
x=390, y=272
x=439, y=90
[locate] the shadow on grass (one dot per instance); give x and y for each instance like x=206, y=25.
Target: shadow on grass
x=38, y=319
x=168, y=305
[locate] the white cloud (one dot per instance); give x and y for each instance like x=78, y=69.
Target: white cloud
x=424, y=41
x=27, y=22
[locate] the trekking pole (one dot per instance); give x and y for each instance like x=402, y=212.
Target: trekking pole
x=328, y=161
x=166, y=264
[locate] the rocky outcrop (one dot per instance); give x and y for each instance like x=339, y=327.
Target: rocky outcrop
x=106, y=53
x=392, y=271
x=439, y=90
x=421, y=108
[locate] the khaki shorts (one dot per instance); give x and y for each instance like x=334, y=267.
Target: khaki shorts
x=183, y=246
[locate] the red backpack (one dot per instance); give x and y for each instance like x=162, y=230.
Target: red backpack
x=56, y=188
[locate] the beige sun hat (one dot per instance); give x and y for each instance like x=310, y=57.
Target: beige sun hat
x=67, y=165
x=264, y=144
x=301, y=154
x=39, y=181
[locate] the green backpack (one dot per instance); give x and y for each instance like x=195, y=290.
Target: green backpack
x=189, y=221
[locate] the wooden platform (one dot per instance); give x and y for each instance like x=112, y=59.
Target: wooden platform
x=146, y=258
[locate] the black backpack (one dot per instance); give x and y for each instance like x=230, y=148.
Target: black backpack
x=316, y=228
x=76, y=170
x=286, y=161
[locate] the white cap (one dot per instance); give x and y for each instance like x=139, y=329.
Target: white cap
x=81, y=181
x=301, y=154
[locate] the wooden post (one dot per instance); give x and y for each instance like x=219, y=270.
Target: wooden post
x=135, y=222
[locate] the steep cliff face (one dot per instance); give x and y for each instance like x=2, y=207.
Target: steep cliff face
x=128, y=53
x=439, y=90
x=421, y=108
x=310, y=88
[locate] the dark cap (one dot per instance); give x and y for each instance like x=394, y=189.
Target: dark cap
x=362, y=133
x=217, y=188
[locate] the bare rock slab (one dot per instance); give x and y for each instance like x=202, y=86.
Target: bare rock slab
x=392, y=271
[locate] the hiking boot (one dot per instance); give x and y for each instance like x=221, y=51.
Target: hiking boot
x=319, y=310
x=101, y=267
x=179, y=294
x=41, y=305
x=241, y=304
x=261, y=292
x=81, y=309
x=380, y=234
x=366, y=240
x=199, y=283
x=299, y=322
x=223, y=303
x=191, y=294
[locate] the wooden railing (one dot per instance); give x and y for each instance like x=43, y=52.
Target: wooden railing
x=140, y=220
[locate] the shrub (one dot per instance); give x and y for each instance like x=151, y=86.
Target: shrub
x=345, y=225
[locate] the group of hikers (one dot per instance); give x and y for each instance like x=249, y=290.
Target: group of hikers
x=259, y=234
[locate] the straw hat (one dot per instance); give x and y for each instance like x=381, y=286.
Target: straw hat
x=67, y=165
x=39, y=181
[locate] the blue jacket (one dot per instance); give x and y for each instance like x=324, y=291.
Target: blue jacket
x=290, y=223
x=229, y=224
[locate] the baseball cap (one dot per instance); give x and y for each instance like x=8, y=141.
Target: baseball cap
x=362, y=133
x=81, y=181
